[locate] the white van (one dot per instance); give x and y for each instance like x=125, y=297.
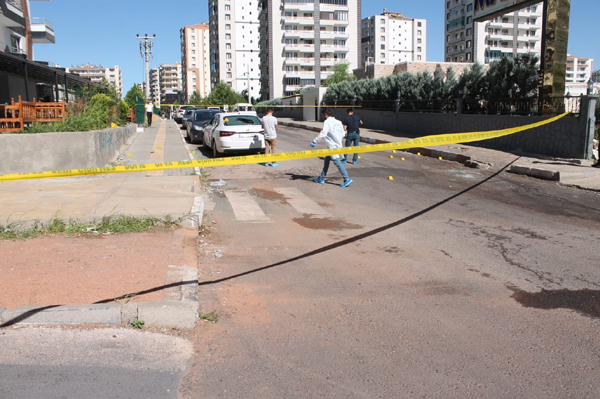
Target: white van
x=243, y=107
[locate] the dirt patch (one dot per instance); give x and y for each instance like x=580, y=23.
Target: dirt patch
x=62, y=270
x=325, y=224
x=268, y=195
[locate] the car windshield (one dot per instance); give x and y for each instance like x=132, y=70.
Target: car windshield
x=236, y=120
x=188, y=112
x=203, y=116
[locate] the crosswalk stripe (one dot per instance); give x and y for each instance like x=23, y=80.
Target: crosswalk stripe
x=303, y=204
x=245, y=207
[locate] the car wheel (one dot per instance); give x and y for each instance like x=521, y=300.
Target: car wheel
x=216, y=152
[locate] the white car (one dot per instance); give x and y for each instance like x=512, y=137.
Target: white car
x=244, y=107
x=233, y=132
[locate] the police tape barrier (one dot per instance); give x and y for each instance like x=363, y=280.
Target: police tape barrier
x=433, y=140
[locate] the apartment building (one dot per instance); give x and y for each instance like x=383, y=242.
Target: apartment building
x=512, y=34
x=234, y=49
x=96, y=73
x=154, y=82
x=195, y=59
x=170, y=82
x=579, y=70
x=391, y=38
x=19, y=31
x=301, y=41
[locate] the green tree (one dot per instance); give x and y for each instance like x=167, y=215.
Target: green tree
x=340, y=74
x=195, y=98
x=512, y=77
x=130, y=96
x=224, y=94
x=123, y=108
x=596, y=76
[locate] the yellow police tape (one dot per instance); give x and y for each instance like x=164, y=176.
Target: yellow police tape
x=433, y=140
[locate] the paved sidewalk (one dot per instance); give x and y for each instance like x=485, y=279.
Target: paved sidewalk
x=577, y=173
x=106, y=279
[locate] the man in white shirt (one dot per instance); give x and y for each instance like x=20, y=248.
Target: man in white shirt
x=333, y=132
x=270, y=125
x=149, y=111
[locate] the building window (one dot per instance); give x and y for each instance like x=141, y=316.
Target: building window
x=382, y=29
x=229, y=75
x=227, y=7
x=228, y=46
x=418, y=49
x=228, y=56
x=227, y=17
x=469, y=20
x=383, y=38
x=227, y=26
x=383, y=46
x=227, y=36
x=469, y=32
x=419, y=24
x=469, y=7
x=228, y=65
x=419, y=32
x=419, y=40
x=418, y=58
x=468, y=44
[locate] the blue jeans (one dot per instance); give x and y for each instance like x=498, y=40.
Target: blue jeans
x=352, y=140
x=337, y=163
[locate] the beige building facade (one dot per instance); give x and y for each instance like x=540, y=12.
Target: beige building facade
x=96, y=73
x=195, y=60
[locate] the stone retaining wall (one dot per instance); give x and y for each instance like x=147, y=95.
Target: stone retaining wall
x=57, y=151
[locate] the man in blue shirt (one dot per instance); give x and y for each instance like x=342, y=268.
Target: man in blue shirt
x=351, y=126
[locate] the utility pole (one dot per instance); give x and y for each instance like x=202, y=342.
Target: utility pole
x=248, y=83
x=146, y=53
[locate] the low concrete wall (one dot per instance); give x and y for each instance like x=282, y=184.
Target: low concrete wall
x=566, y=138
x=56, y=151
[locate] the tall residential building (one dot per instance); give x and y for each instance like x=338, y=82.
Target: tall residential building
x=391, y=38
x=234, y=59
x=170, y=82
x=154, y=83
x=301, y=41
x=19, y=31
x=195, y=60
x=512, y=34
x=579, y=70
x=96, y=73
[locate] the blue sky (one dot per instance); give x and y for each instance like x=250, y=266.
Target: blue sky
x=104, y=32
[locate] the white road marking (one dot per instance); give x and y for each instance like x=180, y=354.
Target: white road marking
x=302, y=203
x=245, y=207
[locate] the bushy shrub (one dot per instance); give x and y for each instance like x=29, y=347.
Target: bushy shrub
x=124, y=109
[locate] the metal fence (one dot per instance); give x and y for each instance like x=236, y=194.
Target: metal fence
x=522, y=106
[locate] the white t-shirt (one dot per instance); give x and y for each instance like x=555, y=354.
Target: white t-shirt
x=270, y=126
x=149, y=107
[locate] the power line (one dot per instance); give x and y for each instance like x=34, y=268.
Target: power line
x=146, y=53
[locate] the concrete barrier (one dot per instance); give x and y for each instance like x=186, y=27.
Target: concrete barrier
x=38, y=152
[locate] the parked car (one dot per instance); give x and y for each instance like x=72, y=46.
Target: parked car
x=214, y=108
x=196, y=124
x=233, y=132
x=180, y=112
x=243, y=107
x=186, y=115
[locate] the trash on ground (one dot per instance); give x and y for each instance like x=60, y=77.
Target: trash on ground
x=221, y=182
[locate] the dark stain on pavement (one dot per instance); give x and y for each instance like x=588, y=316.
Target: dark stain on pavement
x=585, y=301
x=325, y=224
x=391, y=250
x=268, y=195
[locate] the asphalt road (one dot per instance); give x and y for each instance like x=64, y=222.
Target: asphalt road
x=443, y=282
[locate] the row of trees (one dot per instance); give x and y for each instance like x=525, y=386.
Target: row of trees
x=506, y=78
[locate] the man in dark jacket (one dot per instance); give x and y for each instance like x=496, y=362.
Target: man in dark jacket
x=351, y=126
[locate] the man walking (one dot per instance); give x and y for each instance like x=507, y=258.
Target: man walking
x=333, y=132
x=351, y=126
x=270, y=125
x=149, y=111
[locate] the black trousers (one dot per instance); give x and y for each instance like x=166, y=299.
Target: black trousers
x=149, y=115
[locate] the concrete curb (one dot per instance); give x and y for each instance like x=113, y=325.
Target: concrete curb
x=538, y=173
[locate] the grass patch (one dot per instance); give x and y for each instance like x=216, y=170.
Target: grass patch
x=107, y=225
x=213, y=317
x=139, y=324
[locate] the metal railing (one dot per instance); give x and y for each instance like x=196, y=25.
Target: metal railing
x=41, y=21
x=15, y=3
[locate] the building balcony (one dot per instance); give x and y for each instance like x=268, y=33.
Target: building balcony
x=302, y=34
x=300, y=74
x=298, y=21
x=529, y=39
x=500, y=25
x=12, y=16
x=529, y=26
x=456, y=40
x=498, y=36
x=13, y=50
x=301, y=5
x=42, y=30
x=307, y=48
x=330, y=48
x=530, y=14
x=334, y=22
x=334, y=35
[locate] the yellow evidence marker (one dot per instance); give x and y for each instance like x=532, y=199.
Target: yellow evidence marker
x=391, y=156
x=390, y=177
x=129, y=155
x=418, y=153
x=440, y=158
x=359, y=157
